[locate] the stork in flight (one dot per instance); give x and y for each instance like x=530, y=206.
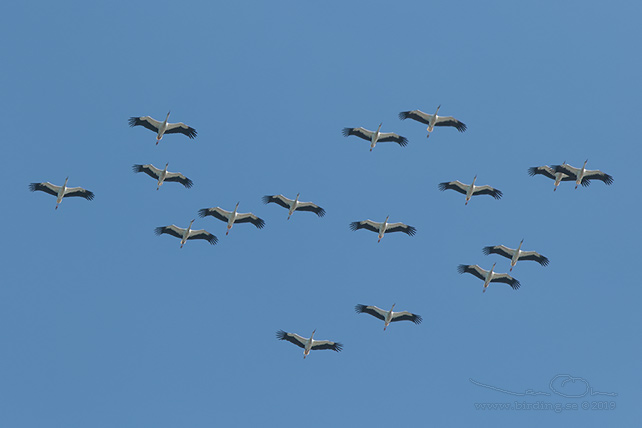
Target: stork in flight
x=376, y=136
x=186, y=234
x=549, y=172
x=583, y=175
x=516, y=255
x=388, y=316
x=383, y=228
x=308, y=344
x=294, y=205
x=489, y=276
x=61, y=191
x=231, y=217
x=470, y=190
x=432, y=120
x=162, y=128
x=163, y=175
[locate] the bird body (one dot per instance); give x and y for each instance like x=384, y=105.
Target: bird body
x=432, y=120
x=162, y=128
x=516, y=255
x=388, y=316
x=489, y=276
x=470, y=190
x=582, y=175
x=293, y=205
x=383, y=228
x=308, y=344
x=231, y=217
x=186, y=234
x=163, y=175
x=61, y=192
x=376, y=136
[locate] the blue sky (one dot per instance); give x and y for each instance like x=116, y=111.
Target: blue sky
x=105, y=324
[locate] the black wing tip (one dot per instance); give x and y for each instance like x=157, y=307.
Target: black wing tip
x=608, y=179
x=267, y=199
x=133, y=121
x=417, y=319
x=532, y=171
x=497, y=194
x=203, y=212
x=461, y=127
x=137, y=168
x=515, y=284
x=462, y=268
x=411, y=231
x=544, y=261
x=487, y=250
x=360, y=308
x=320, y=212
x=188, y=183
x=281, y=335
x=403, y=141
x=212, y=239
x=355, y=225
x=443, y=186
x=404, y=115
x=346, y=131
x=159, y=230
x=337, y=347
x=260, y=223
x=89, y=195
x=33, y=186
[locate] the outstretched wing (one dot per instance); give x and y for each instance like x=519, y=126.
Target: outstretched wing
x=487, y=190
x=406, y=316
x=292, y=338
x=145, y=121
x=149, y=169
x=309, y=206
x=79, y=191
x=371, y=310
x=506, y=279
x=203, y=234
x=250, y=218
x=359, y=132
x=326, y=344
x=417, y=115
x=217, y=212
x=501, y=250
x=450, y=121
x=170, y=230
x=179, y=178
x=474, y=270
x=180, y=128
x=400, y=227
x=278, y=199
x=45, y=187
x=391, y=136
x=536, y=257
x=366, y=224
x=457, y=186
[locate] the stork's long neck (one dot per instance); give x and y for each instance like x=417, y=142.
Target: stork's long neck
x=312, y=335
x=437, y=111
x=190, y=226
x=297, y=198
x=167, y=117
x=236, y=208
x=64, y=186
x=520, y=246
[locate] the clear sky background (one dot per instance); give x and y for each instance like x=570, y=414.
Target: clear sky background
x=104, y=324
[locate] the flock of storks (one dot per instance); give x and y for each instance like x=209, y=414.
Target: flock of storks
x=559, y=173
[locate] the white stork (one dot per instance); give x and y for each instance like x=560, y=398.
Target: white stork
x=432, y=120
x=186, y=234
x=308, y=344
x=382, y=228
x=388, y=316
x=583, y=175
x=232, y=217
x=376, y=136
x=470, y=190
x=61, y=191
x=162, y=128
x=489, y=276
x=163, y=175
x=294, y=205
x=516, y=255
x=549, y=172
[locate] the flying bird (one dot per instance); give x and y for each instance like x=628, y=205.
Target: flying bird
x=308, y=344
x=186, y=234
x=162, y=175
x=549, y=172
x=489, y=276
x=294, y=205
x=162, y=128
x=376, y=136
x=470, y=190
x=432, y=120
x=516, y=255
x=382, y=228
x=583, y=175
x=232, y=217
x=61, y=191
x=388, y=316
